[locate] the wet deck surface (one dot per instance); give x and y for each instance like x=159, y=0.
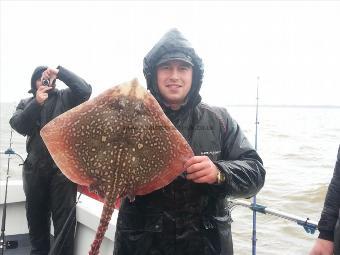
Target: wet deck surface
x=23, y=247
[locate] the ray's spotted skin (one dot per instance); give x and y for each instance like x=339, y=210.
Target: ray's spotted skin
x=119, y=143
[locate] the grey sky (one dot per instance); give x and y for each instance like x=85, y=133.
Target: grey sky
x=293, y=46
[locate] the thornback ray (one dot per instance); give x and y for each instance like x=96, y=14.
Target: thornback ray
x=118, y=143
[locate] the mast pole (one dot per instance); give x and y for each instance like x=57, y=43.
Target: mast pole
x=4, y=209
x=254, y=198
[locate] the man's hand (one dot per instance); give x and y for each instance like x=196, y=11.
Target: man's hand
x=50, y=73
x=42, y=94
x=201, y=169
x=322, y=247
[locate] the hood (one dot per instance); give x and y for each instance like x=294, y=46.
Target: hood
x=36, y=75
x=173, y=41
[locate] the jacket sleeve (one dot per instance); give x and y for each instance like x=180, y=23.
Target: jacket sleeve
x=78, y=89
x=330, y=212
x=240, y=163
x=26, y=116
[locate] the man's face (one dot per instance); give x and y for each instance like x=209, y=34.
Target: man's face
x=174, y=80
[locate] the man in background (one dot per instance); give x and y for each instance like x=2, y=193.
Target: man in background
x=48, y=192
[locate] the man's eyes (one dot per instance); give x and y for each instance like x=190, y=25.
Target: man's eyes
x=182, y=68
x=165, y=67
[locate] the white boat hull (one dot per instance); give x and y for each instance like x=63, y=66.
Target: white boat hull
x=88, y=216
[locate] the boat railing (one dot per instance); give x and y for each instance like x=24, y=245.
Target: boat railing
x=309, y=225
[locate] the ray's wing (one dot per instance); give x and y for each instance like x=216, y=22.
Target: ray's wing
x=58, y=135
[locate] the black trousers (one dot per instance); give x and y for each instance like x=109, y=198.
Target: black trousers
x=48, y=194
x=337, y=237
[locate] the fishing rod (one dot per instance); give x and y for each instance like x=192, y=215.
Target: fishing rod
x=309, y=225
x=306, y=223
x=71, y=222
x=254, y=198
x=9, y=244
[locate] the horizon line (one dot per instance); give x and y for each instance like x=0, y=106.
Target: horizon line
x=287, y=105
x=261, y=105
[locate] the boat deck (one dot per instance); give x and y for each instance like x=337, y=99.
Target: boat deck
x=23, y=248
x=88, y=217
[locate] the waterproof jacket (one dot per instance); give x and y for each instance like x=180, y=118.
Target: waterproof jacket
x=331, y=210
x=186, y=217
x=30, y=116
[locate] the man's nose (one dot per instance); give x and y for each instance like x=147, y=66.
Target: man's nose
x=174, y=74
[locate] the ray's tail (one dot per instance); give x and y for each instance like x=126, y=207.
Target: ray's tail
x=105, y=218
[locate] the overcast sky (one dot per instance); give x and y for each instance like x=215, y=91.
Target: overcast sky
x=293, y=46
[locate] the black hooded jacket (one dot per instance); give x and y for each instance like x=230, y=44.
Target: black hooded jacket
x=186, y=217
x=331, y=210
x=30, y=116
